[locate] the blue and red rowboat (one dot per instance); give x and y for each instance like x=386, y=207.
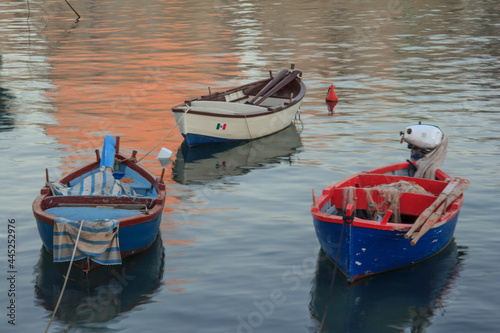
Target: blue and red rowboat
x=373, y=241
x=137, y=212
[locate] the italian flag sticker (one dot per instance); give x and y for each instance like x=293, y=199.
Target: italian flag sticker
x=221, y=127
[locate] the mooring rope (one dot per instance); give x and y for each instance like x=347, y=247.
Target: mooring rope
x=349, y=197
x=248, y=127
x=330, y=292
x=176, y=124
x=66, y=278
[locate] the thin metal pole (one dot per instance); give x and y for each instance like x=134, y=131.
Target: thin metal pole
x=73, y=10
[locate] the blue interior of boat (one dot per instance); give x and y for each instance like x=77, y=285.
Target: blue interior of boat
x=91, y=213
x=140, y=185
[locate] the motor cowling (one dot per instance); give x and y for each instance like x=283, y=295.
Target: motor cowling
x=422, y=139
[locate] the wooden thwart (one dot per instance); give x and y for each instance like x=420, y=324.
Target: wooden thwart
x=104, y=205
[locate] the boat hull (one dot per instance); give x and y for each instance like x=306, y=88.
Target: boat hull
x=139, y=216
x=200, y=129
x=369, y=246
x=133, y=238
x=368, y=251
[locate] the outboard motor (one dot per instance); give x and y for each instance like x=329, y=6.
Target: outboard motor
x=421, y=139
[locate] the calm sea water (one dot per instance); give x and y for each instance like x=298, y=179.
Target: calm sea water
x=238, y=252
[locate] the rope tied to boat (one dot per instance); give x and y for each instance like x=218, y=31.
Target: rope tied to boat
x=166, y=135
x=66, y=278
x=248, y=127
x=131, y=158
x=350, y=206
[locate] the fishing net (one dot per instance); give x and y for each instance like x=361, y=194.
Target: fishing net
x=388, y=199
x=350, y=196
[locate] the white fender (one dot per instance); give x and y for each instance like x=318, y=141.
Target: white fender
x=165, y=157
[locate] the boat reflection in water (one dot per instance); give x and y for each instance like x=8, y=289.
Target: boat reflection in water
x=403, y=300
x=6, y=119
x=103, y=293
x=211, y=162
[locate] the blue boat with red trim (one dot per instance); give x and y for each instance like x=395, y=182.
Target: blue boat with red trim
x=387, y=218
x=115, y=201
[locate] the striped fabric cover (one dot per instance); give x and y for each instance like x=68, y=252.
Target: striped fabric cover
x=100, y=183
x=98, y=240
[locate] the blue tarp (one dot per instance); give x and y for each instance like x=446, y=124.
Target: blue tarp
x=99, y=183
x=108, y=152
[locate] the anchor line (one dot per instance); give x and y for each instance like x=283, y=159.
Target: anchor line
x=330, y=292
x=170, y=131
x=66, y=278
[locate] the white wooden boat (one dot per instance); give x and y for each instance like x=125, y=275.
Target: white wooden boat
x=243, y=113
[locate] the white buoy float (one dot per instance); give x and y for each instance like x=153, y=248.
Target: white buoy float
x=165, y=157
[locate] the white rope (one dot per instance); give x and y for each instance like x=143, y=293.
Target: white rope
x=248, y=127
x=66, y=278
x=176, y=124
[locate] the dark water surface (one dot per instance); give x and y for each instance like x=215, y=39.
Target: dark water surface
x=238, y=252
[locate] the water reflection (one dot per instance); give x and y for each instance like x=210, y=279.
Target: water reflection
x=6, y=120
x=330, y=106
x=112, y=80
x=392, y=302
x=103, y=294
x=119, y=70
x=207, y=163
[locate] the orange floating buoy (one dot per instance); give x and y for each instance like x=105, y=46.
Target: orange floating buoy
x=331, y=96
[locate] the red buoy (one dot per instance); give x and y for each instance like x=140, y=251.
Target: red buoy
x=331, y=96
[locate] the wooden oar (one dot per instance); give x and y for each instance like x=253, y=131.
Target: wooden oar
x=457, y=191
x=280, y=85
x=429, y=223
x=270, y=84
x=429, y=210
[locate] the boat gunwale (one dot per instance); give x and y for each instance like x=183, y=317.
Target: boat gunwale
x=181, y=108
x=149, y=215
x=329, y=192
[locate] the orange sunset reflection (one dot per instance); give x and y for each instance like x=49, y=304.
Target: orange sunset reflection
x=111, y=79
